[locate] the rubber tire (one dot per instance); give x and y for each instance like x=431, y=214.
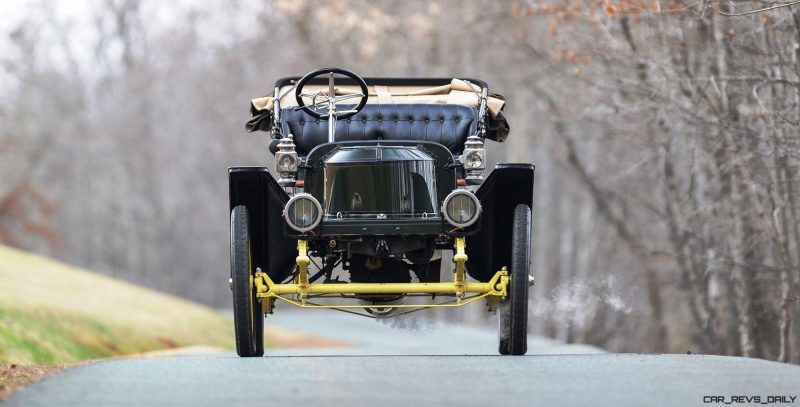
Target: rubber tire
x=248, y=320
x=513, y=311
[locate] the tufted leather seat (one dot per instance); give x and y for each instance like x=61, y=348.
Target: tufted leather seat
x=449, y=125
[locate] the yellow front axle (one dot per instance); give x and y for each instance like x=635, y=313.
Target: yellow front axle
x=268, y=290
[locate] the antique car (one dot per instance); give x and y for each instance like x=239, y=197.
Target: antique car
x=376, y=180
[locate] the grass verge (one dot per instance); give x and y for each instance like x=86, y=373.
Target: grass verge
x=52, y=314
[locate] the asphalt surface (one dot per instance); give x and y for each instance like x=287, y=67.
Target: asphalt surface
x=421, y=365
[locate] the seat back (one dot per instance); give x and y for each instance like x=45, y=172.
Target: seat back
x=449, y=125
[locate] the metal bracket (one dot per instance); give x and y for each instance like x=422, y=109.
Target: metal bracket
x=459, y=258
x=302, y=261
x=277, y=132
x=492, y=302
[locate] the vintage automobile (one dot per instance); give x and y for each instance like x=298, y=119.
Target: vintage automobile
x=376, y=177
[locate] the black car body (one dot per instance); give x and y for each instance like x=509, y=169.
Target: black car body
x=398, y=183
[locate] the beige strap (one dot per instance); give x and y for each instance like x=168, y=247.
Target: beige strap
x=384, y=96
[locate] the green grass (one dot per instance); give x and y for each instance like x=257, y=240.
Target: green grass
x=52, y=313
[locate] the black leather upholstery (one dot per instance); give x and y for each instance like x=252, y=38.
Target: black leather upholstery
x=449, y=125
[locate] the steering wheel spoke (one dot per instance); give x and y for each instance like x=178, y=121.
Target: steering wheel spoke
x=323, y=103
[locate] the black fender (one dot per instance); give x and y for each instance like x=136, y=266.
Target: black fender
x=257, y=190
x=507, y=186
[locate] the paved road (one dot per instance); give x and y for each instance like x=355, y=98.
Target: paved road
x=427, y=366
x=406, y=336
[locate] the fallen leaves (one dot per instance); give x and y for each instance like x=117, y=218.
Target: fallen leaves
x=14, y=377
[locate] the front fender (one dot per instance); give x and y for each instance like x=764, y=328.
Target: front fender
x=507, y=186
x=270, y=250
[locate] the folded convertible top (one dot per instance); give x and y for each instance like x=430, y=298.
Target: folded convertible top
x=465, y=92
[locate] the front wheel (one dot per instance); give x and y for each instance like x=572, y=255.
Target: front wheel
x=513, y=310
x=247, y=317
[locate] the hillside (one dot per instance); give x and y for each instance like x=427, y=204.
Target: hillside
x=53, y=313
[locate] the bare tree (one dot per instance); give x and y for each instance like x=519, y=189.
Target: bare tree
x=665, y=134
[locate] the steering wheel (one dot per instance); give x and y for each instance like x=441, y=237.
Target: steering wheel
x=328, y=99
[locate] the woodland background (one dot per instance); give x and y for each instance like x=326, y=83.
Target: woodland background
x=665, y=133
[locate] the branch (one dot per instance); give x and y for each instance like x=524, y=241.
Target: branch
x=761, y=10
